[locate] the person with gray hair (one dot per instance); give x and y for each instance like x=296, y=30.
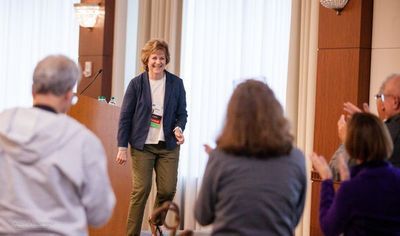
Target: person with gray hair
x=53, y=170
x=388, y=107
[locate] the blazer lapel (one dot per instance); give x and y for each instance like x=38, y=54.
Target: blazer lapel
x=147, y=90
x=168, y=89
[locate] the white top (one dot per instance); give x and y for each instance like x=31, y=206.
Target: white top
x=156, y=132
x=53, y=175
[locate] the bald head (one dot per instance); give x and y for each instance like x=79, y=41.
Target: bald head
x=391, y=92
x=55, y=75
x=392, y=85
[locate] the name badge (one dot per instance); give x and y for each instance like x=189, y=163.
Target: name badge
x=155, y=121
x=156, y=117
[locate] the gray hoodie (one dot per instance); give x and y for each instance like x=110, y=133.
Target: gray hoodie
x=53, y=175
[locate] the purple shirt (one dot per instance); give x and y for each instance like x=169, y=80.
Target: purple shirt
x=367, y=204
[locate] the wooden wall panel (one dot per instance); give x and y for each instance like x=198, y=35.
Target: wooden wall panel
x=367, y=11
x=91, y=41
x=342, y=75
x=351, y=29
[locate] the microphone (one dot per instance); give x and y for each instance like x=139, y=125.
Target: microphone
x=95, y=77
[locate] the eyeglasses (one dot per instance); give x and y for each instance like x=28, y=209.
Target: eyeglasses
x=382, y=96
x=74, y=100
x=378, y=96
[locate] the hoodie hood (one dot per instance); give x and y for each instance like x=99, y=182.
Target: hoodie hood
x=29, y=134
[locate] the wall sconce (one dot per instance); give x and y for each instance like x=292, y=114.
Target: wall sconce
x=336, y=5
x=87, y=14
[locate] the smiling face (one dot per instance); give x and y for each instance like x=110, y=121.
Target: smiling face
x=155, y=56
x=156, y=64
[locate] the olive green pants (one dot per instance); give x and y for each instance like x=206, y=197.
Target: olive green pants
x=165, y=164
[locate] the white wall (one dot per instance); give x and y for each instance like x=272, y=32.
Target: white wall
x=385, y=53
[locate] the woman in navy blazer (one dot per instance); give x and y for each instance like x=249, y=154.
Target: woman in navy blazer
x=153, y=117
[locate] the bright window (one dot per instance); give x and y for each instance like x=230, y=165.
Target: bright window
x=224, y=41
x=31, y=30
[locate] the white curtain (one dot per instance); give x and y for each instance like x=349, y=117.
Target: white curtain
x=31, y=30
x=224, y=41
x=300, y=97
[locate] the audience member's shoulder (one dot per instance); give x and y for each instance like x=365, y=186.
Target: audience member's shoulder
x=34, y=115
x=395, y=170
x=297, y=153
x=7, y=113
x=213, y=153
x=218, y=155
x=297, y=156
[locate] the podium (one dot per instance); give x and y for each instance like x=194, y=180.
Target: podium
x=102, y=119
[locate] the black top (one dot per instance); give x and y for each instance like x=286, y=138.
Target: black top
x=393, y=125
x=45, y=107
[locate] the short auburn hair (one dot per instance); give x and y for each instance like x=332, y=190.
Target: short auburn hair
x=368, y=138
x=151, y=47
x=255, y=124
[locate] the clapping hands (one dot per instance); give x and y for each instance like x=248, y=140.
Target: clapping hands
x=321, y=166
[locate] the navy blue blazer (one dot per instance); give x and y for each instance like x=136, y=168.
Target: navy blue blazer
x=134, y=122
